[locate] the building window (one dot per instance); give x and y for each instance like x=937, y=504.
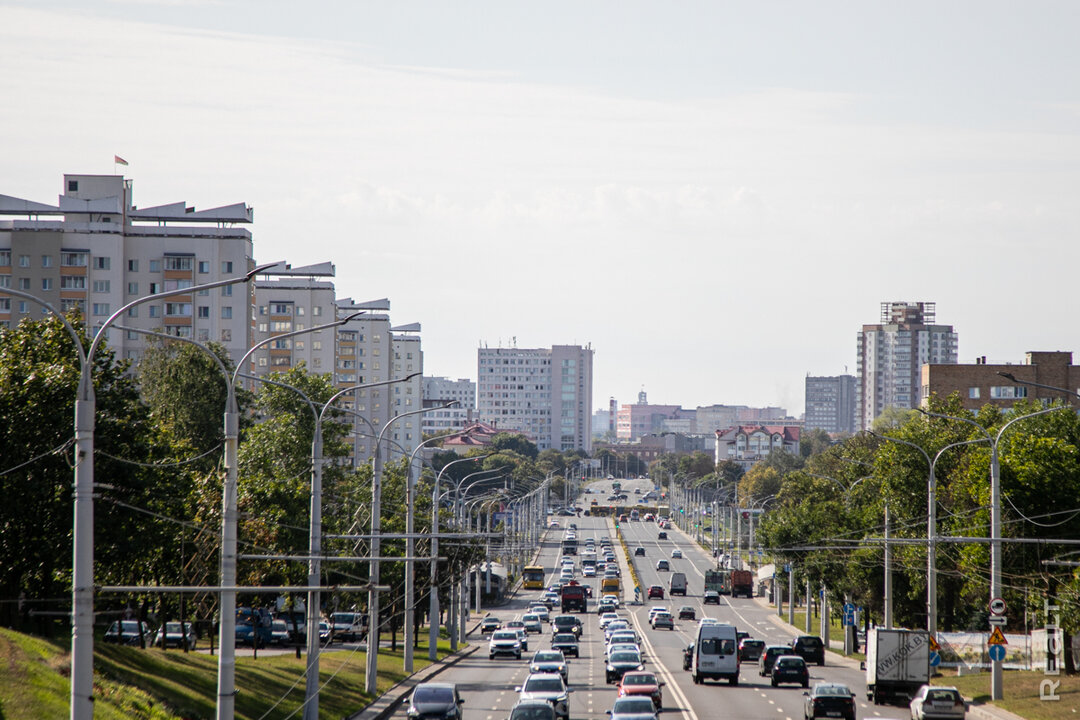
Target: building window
x=71, y=259
x=204, y=333
x=316, y=344
x=133, y=266
x=1007, y=392
x=262, y=362
x=226, y=335
x=155, y=311
x=46, y=284
x=226, y=267
x=102, y=263
x=155, y=266
x=177, y=285
x=317, y=311
x=72, y=282
x=183, y=331
x=178, y=263
x=226, y=291
x=299, y=344
x=101, y=286
x=973, y=393
x=226, y=312
x=280, y=309
x=133, y=312
x=69, y=304
x=5, y=281
x=133, y=288
x=204, y=312
x=24, y=261
x=300, y=310
x=177, y=309
x=73, y=186
x=101, y=309
x=204, y=267
x=24, y=284
x=5, y=257
x=279, y=327
x=46, y=261
x=5, y=305
x=155, y=288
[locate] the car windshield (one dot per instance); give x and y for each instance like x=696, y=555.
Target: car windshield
x=505, y=635
x=433, y=695
x=547, y=657
x=789, y=662
x=564, y=638
x=174, y=627
x=639, y=680
x=625, y=657
x=832, y=690
x=131, y=627
x=344, y=617
x=632, y=706
x=533, y=712
x=812, y=642
x=543, y=685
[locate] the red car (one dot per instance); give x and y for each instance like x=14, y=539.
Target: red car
x=656, y=591
x=642, y=683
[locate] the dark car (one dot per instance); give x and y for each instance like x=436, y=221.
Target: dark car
x=768, y=657
x=656, y=591
x=711, y=597
x=790, y=669
x=750, y=650
x=661, y=535
x=567, y=643
x=566, y=624
x=533, y=710
x=810, y=648
x=621, y=662
x=829, y=700
x=435, y=701
x=686, y=612
x=126, y=632
x=639, y=552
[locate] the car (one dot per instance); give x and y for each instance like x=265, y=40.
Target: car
x=177, y=635
x=554, y=524
x=615, y=626
x=523, y=637
x=662, y=566
x=280, y=634
x=829, y=700
x=711, y=597
x=661, y=535
x=348, y=625
x=750, y=650
x=633, y=708
x=790, y=669
x=567, y=643
x=550, y=688
x=541, y=611
x=656, y=609
x=688, y=656
x=663, y=620
x=938, y=703
x=489, y=625
x=435, y=701
x=566, y=623
x=621, y=662
x=676, y=554
x=253, y=627
x=656, y=591
x=532, y=710
x=639, y=551
x=810, y=648
x=612, y=598
x=504, y=642
x=551, y=599
x=768, y=657
x=588, y=571
x=604, y=607
x=687, y=612
x=608, y=618
x=642, y=683
x=532, y=623
x=550, y=661
x=325, y=631
x=613, y=648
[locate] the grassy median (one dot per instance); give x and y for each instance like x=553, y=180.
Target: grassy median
x=130, y=683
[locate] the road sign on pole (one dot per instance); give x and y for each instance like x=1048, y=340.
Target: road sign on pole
x=997, y=606
x=997, y=637
x=935, y=659
x=996, y=620
x=996, y=652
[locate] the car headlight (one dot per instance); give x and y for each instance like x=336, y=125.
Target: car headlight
x=562, y=668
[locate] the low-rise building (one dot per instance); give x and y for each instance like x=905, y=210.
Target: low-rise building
x=749, y=444
x=981, y=383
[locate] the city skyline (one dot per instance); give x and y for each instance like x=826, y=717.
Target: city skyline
x=715, y=196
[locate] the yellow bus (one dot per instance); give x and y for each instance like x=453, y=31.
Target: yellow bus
x=532, y=577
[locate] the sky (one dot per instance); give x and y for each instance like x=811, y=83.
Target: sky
x=715, y=196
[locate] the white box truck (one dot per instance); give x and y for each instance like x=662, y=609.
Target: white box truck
x=897, y=664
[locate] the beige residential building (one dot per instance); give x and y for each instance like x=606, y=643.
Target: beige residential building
x=295, y=299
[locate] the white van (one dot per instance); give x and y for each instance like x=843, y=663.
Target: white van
x=716, y=654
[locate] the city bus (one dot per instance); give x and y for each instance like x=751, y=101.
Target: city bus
x=532, y=577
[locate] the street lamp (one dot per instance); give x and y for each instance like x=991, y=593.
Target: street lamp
x=996, y=679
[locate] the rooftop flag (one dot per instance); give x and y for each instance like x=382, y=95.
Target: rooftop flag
x=119, y=160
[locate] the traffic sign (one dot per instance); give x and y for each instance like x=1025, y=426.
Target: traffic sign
x=997, y=606
x=997, y=620
x=997, y=652
x=935, y=658
x=934, y=647
x=997, y=637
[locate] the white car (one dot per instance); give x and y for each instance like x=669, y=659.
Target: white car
x=621, y=647
x=610, y=598
x=676, y=553
x=548, y=687
x=934, y=703
x=504, y=642
x=657, y=609
x=606, y=619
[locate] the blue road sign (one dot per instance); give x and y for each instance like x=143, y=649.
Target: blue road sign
x=997, y=652
x=935, y=659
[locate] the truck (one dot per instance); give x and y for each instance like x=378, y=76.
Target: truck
x=573, y=598
x=897, y=664
x=719, y=581
x=742, y=583
x=677, y=584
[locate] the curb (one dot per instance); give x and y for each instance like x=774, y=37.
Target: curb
x=386, y=704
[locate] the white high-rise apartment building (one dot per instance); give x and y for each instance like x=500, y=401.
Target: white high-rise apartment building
x=891, y=355
x=543, y=393
x=295, y=300
x=95, y=251
x=442, y=390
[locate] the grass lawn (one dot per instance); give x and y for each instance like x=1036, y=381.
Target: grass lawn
x=1021, y=693
x=151, y=684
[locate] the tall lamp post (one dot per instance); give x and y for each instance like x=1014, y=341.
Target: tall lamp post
x=996, y=678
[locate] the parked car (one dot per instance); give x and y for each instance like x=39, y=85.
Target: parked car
x=938, y=703
x=431, y=701
x=790, y=669
x=829, y=700
x=175, y=634
x=348, y=625
x=810, y=648
x=126, y=632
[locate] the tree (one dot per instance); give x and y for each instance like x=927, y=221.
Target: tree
x=515, y=442
x=814, y=441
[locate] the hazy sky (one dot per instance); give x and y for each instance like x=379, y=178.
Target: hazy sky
x=715, y=195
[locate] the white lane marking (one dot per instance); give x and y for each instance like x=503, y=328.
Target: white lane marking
x=662, y=670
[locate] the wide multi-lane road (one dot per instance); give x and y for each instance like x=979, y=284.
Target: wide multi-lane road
x=488, y=685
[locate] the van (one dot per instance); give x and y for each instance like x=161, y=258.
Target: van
x=716, y=654
x=677, y=586
x=609, y=585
